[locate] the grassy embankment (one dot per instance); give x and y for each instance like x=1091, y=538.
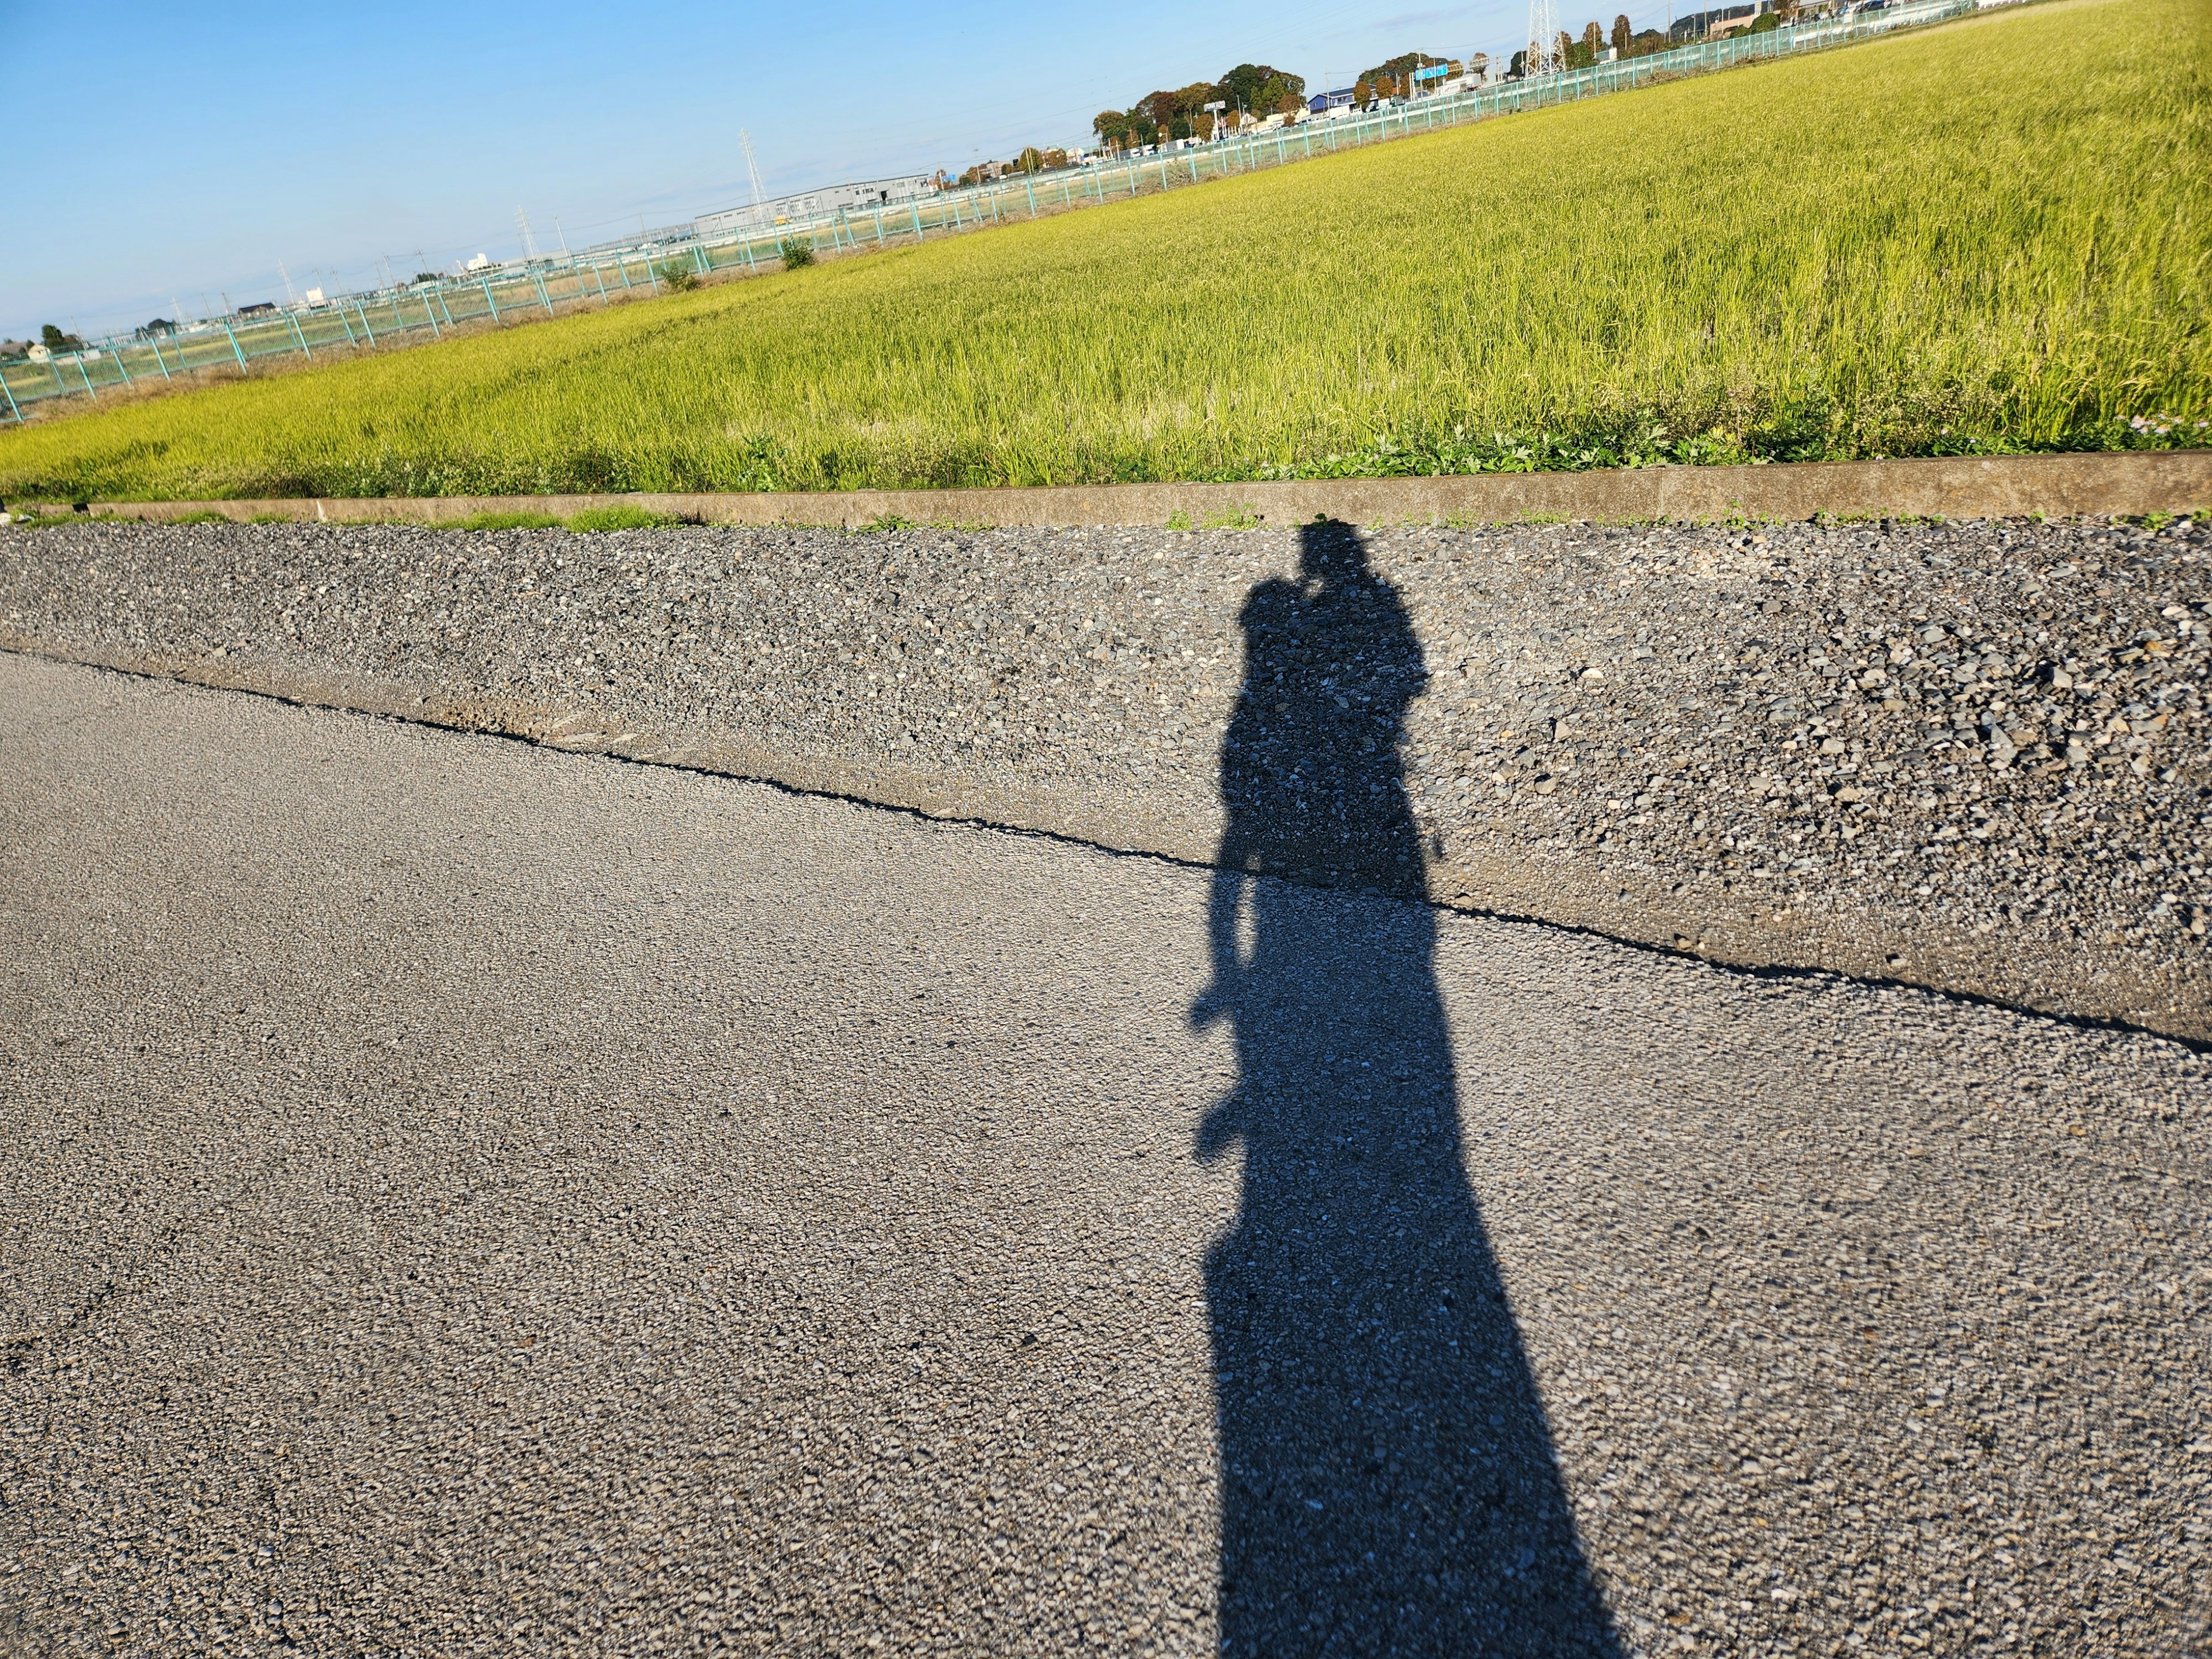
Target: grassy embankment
x=1996, y=235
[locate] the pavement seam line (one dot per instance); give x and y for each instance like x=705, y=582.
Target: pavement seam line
x=578, y=744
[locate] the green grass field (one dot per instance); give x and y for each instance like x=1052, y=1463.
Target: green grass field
x=1993, y=235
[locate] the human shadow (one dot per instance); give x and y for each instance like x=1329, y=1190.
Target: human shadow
x=1387, y=1479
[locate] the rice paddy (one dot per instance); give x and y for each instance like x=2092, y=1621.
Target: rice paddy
x=1991, y=236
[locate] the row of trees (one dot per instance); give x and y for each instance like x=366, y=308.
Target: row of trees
x=1031, y=160
x=1250, y=91
x=1630, y=42
x=1572, y=53
x=1392, y=79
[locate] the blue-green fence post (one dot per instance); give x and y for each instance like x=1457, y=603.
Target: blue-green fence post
x=489, y=301
x=122, y=367
x=299, y=334
x=236, y=350
x=916, y=208
x=6, y=393
x=155, y=340
x=363, y=310
x=85, y=376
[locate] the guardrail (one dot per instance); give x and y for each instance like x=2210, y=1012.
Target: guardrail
x=421, y=313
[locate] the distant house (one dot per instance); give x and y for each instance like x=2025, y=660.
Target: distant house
x=13, y=351
x=1321, y=103
x=258, y=308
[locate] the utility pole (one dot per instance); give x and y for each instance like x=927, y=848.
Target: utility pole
x=529, y=242
x=562, y=234
x=290, y=298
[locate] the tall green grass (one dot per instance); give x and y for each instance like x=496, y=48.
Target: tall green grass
x=1992, y=236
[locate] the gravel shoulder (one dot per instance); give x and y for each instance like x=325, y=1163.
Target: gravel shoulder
x=1970, y=755
x=468, y=1198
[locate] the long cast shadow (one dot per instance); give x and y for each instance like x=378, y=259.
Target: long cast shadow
x=1389, y=1482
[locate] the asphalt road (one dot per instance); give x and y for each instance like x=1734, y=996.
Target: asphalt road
x=465, y=1198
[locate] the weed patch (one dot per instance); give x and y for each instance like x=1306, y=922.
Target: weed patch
x=507, y=521
x=598, y=520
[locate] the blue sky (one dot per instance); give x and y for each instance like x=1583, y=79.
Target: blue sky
x=159, y=152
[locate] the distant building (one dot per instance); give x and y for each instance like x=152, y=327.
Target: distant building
x=482, y=262
x=13, y=351
x=1703, y=25
x=259, y=308
x=858, y=197
x=314, y=297
x=1321, y=103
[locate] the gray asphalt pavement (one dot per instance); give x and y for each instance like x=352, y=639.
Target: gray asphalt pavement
x=464, y=1198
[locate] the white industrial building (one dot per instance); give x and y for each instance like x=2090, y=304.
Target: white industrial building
x=805, y=204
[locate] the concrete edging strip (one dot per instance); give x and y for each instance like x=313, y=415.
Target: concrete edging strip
x=1948, y=487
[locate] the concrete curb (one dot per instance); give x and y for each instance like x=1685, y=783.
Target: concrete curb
x=1949, y=487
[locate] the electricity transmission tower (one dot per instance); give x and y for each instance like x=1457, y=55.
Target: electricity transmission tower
x=752, y=169
x=1543, y=38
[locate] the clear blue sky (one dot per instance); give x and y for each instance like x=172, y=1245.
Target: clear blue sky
x=159, y=152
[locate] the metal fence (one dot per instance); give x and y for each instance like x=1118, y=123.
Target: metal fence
x=422, y=312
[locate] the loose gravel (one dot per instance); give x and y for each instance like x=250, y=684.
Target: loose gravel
x=1970, y=755
x=467, y=1199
